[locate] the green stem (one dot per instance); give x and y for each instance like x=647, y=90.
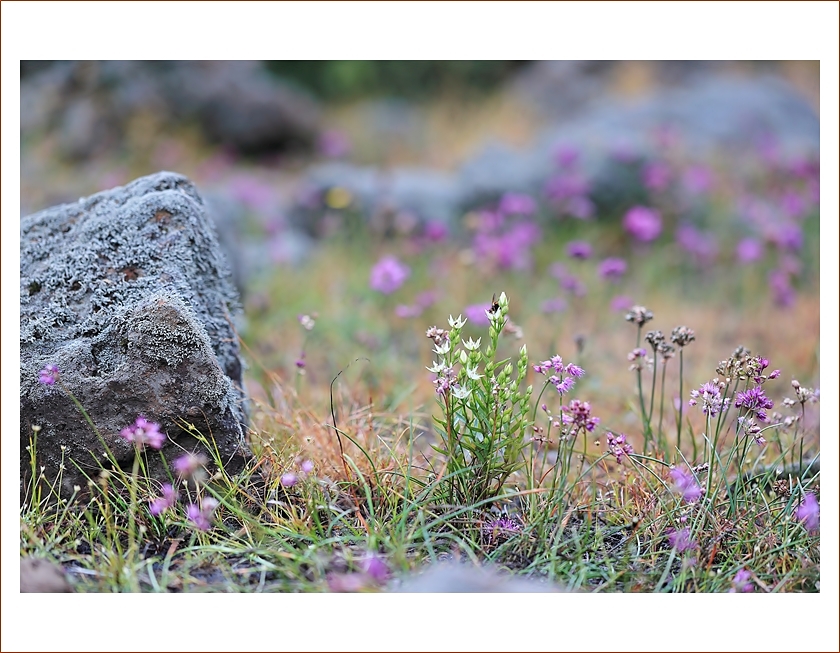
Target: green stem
x=680, y=412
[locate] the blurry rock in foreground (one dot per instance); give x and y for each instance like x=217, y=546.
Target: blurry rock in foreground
x=128, y=293
x=42, y=576
x=463, y=578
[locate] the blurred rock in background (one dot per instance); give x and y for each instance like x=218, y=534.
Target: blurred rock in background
x=88, y=105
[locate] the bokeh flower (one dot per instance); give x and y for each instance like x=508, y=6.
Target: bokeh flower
x=741, y=582
x=643, y=224
x=808, y=513
x=143, y=433
x=612, y=268
x=749, y=250
x=388, y=275
x=517, y=204
x=202, y=514
x=163, y=502
x=579, y=249
x=685, y=484
x=681, y=540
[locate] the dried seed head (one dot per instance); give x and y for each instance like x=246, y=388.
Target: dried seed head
x=654, y=338
x=639, y=315
x=682, y=335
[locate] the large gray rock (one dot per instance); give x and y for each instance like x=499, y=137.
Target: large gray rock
x=128, y=293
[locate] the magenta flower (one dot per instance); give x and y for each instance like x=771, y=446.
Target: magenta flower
x=681, y=540
x=388, y=275
x=621, y=303
x=375, y=568
x=189, y=464
x=567, y=156
x=579, y=249
x=436, y=231
x=754, y=402
x=709, y=393
x=618, y=446
x=783, y=292
x=698, y=180
x=579, y=414
x=48, y=375
x=740, y=582
x=143, y=432
x=685, y=484
x=202, y=515
x=165, y=501
x=517, y=204
x=477, y=313
x=643, y=224
x=288, y=479
x=405, y=311
x=749, y=250
x=656, y=175
x=612, y=268
x=808, y=513
x=556, y=305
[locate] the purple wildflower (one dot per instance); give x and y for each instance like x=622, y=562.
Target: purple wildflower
x=686, y=484
x=656, y=175
x=288, y=479
x=517, y=204
x=681, y=540
x=643, y=223
x=189, y=464
x=477, y=313
x=574, y=370
x=621, y=303
x=612, y=268
x=711, y=397
x=698, y=179
x=573, y=285
x=143, y=432
x=556, y=305
x=375, y=567
x=783, y=292
x=741, y=582
x=618, y=445
x=163, y=502
x=405, y=311
x=566, y=156
x=579, y=249
x=48, y=375
x=436, y=231
x=579, y=414
x=754, y=401
x=388, y=275
x=749, y=250
x=503, y=526
x=808, y=513
x=202, y=515
x=307, y=466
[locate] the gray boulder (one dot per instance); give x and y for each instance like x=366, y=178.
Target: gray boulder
x=88, y=106
x=128, y=293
